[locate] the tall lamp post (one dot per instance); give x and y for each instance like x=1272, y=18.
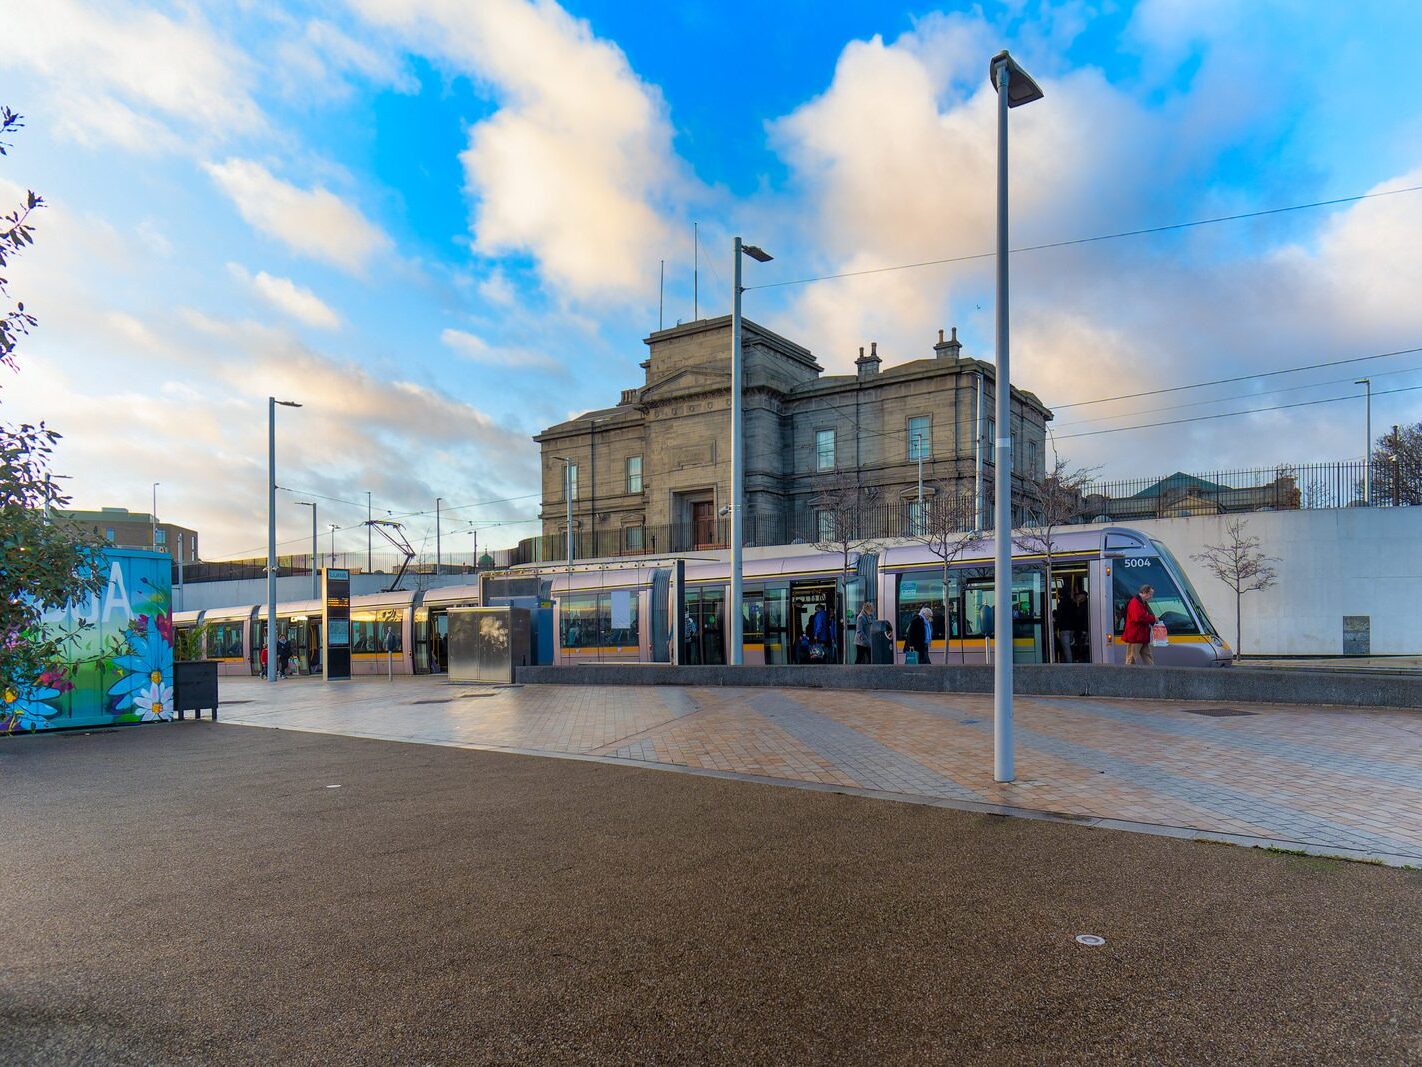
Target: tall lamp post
x=333, y=527
x=1015, y=87
x=272, y=404
x=738, y=453
x=315, y=552
x=568, y=501
x=1367, y=383
x=369, y=556
x=154, y=516
x=439, y=556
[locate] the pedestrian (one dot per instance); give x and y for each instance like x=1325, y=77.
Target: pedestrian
x=283, y=656
x=264, y=661
x=919, y=634
x=1136, y=634
x=821, y=636
x=863, y=622
x=1068, y=621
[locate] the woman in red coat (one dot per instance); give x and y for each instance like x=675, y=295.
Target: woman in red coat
x=1136, y=635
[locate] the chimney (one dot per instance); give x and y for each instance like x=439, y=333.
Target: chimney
x=868, y=366
x=950, y=349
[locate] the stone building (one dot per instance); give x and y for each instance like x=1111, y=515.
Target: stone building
x=652, y=474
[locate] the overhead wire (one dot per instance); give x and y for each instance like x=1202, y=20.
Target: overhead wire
x=1143, y=231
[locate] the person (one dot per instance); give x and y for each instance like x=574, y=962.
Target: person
x=863, y=622
x=688, y=638
x=314, y=660
x=1136, y=634
x=264, y=661
x=283, y=656
x=802, y=649
x=821, y=635
x=919, y=634
x=1069, y=618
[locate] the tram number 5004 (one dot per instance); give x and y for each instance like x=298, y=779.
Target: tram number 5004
x=1135, y=563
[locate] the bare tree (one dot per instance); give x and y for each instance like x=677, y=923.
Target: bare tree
x=1058, y=500
x=844, y=514
x=1238, y=563
x=944, y=526
x=1397, y=466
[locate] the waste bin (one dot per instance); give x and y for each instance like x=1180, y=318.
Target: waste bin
x=881, y=642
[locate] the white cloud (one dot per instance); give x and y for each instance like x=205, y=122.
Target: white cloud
x=320, y=58
x=477, y=350
x=289, y=298
x=127, y=74
x=576, y=167
x=312, y=222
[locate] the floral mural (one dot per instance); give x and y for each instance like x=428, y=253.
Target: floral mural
x=119, y=667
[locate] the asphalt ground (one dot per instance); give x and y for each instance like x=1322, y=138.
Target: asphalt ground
x=195, y=893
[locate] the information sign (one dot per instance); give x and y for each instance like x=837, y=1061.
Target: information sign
x=336, y=618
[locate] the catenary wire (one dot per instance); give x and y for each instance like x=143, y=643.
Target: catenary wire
x=1093, y=239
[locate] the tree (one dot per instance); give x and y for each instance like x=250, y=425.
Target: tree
x=43, y=567
x=1397, y=466
x=1238, y=563
x=944, y=526
x=844, y=514
x=1056, y=501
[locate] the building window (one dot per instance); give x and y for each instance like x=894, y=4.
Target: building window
x=1032, y=457
x=825, y=524
x=160, y=537
x=573, y=481
x=636, y=538
x=109, y=532
x=920, y=441
x=915, y=523
x=824, y=450
x=990, y=437
x=634, y=474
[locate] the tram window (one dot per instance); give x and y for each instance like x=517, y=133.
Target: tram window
x=587, y=619
x=369, y=631
x=224, y=640
x=921, y=589
x=1167, y=603
x=977, y=606
x=1189, y=588
x=753, y=618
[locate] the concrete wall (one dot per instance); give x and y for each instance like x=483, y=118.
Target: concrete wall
x=1332, y=563
x=1144, y=683
x=201, y=595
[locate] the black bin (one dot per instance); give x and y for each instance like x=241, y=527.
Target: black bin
x=195, y=687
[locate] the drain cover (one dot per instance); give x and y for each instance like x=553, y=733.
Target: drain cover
x=1217, y=713
x=1090, y=939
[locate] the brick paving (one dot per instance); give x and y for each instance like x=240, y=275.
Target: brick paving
x=1343, y=781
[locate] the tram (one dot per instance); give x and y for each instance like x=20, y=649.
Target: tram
x=668, y=610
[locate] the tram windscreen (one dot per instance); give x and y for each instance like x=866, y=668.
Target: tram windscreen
x=1185, y=583
x=1167, y=603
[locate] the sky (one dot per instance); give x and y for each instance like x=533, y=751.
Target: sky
x=440, y=225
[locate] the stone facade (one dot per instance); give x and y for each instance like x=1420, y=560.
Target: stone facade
x=804, y=430
x=130, y=529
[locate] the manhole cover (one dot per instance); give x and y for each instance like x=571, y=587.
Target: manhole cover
x=1090, y=939
x=1217, y=713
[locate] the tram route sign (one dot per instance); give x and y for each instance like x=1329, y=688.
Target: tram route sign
x=336, y=619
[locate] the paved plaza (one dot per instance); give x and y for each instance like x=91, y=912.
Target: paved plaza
x=217, y=894
x=1338, y=781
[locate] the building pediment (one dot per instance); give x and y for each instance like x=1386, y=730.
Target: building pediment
x=688, y=382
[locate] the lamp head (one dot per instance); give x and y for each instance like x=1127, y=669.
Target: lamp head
x=1021, y=89
x=757, y=253
x=1364, y=381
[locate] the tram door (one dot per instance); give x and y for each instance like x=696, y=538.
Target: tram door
x=703, y=630
x=1071, y=614
x=806, y=598
x=775, y=618
x=259, y=639
x=439, y=640
x=421, y=634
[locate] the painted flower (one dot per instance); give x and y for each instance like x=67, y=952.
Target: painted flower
x=154, y=703
x=150, y=662
x=24, y=707
x=165, y=626
x=56, y=679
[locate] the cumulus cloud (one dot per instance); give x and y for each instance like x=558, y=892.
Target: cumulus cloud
x=321, y=57
x=576, y=167
x=289, y=298
x=311, y=222
x=127, y=74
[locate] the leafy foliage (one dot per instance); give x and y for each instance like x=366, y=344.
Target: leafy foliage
x=43, y=567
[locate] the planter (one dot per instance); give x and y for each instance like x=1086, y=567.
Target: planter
x=195, y=687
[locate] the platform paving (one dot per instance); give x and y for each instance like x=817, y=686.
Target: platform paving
x=1332, y=781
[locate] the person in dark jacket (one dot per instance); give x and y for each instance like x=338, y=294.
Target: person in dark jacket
x=919, y=634
x=863, y=627
x=821, y=635
x=1136, y=634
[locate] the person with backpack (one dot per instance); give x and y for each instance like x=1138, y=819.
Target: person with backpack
x=919, y=634
x=821, y=636
x=1136, y=633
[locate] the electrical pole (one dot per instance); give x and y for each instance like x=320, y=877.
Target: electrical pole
x=369, y=565
x=438, y=557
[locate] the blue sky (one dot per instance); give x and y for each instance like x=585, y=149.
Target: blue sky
x=438, y=224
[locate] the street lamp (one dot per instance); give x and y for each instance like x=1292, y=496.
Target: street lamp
x=272, y=404
x=438, y=553
x=315, y=579
x=1367, y=383
x=738, y=456
x=1015, y=87
x=568, y=501
x=333, y=527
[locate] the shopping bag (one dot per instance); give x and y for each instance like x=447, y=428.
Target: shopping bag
x=1158, y=635
x=911, y=656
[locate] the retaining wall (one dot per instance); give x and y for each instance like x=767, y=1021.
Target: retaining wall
x=1149, y=683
